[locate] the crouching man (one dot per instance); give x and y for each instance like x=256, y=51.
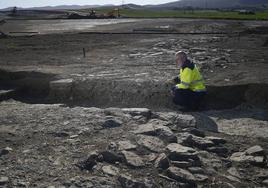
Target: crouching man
x=190, y=88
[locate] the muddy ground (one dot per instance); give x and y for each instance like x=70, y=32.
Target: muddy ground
x=59, y=106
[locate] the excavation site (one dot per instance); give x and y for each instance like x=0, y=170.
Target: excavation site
x=87, y=103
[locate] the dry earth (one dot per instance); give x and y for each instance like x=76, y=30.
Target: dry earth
x=106, y=120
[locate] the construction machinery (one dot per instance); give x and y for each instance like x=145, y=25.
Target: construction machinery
x=94, y=15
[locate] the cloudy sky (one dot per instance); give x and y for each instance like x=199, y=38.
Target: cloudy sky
x=37, y=3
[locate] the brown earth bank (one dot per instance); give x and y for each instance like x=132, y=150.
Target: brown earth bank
x=105, y=119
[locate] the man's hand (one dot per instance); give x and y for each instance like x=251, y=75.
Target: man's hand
x=172, y=91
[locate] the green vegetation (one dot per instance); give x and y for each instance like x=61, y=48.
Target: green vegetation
x=213, y=14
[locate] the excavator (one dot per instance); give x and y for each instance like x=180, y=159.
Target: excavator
x=114, y=13
x=93, y=15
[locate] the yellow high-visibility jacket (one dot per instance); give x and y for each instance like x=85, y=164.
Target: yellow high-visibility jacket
x=191, y=78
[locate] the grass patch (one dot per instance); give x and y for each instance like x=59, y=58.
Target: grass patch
x=212, y=14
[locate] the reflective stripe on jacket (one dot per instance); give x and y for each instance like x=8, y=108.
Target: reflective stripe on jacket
x=191, y=78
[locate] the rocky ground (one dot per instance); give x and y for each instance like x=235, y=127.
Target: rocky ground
x=69, y=121
x=59, y=146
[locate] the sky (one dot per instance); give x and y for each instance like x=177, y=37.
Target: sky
x=40, y=3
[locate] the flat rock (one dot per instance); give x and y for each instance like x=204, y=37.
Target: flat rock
x=196, y=170
x=180, y=175
x=151, y=157
x=262, y=175
x=157, y=128
x=181, y=164
x=178, y=152
x=232, y=178
x=112, y=146
x=88, y=163
x=200, y=177
x=127, y=181
x=243, y=157
x=5, y=151
x=166, y=116
x=185, y=121
x=61, y=134
x=265, y=182
x=126, y=145
x=162, y=161
x=111, y=123
x=138, y=111
x=182, y=137
x=255, y=150
x=216, y=140
x=133, y=159
x=258, y=160
x=151, y=143
x=234, y=172
x=110, y=170
x=4, y=180
x=194, y=131
x=199, y=142
x=221, y=151
x=239, y=157
x=111, y=156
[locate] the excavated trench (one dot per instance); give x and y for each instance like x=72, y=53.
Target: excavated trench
x=32, y=87
x=35, y=87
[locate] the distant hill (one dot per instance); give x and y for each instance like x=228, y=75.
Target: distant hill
x=212, y=4
x=76, y=7
x=65, y=7
x=171, y=5
x=61, y=7
x=256, y=2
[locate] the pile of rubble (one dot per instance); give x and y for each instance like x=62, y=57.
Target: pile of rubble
x=185, y=155
x=128, y=147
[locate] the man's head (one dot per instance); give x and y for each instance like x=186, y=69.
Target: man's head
x=180, y=58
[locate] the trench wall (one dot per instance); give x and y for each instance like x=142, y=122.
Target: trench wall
x=33, y=87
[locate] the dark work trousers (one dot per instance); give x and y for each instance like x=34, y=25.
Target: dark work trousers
x=187, y=98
